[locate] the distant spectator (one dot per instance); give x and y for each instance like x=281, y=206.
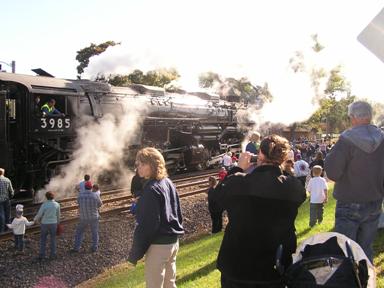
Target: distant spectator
x=49, y=217
x=81, y=186
x=254, y=144
x=301, y=169
x=215, y=211
x=227, y=160
x=6, y=193
x=222, y=173
x=318, y=190
x=234, y=159
x=356, y=165
x=89, y=204
x=137, y=184
x=96, y=190
x=323, y=148
x=158, y=221
x=319, y=160
x=18, y=226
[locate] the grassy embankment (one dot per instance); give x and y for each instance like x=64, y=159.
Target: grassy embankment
x=196, y=260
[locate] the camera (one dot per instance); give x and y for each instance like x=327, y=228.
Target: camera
x=253, y=159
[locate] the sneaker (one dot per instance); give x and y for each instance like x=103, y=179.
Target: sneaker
x=73, y=251
x=94, y=250
x=53, y=257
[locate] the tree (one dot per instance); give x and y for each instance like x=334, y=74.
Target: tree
x=159, y=77
x=86, y=53
x=230, y=88
x=317, y=47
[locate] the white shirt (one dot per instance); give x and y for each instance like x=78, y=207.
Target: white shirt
x=227, y=160
x=301, y=168
x=316, y=187
x=18, y=225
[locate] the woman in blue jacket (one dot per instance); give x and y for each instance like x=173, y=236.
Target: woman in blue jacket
x=159, y=221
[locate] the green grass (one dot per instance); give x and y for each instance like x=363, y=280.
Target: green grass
x=196, y=260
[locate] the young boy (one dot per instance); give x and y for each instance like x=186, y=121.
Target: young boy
x=18, y=226
x=318, y=189
x=96, y=189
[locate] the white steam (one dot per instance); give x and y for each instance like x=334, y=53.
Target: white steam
x=101, y=147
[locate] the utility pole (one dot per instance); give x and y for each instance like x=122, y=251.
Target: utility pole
x=12, y=65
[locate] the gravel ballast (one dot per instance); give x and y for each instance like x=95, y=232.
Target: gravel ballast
x=68, y=270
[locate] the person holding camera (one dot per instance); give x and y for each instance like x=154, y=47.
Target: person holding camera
x=262, y=207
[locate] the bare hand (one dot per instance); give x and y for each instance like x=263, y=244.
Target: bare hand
x=245, y=160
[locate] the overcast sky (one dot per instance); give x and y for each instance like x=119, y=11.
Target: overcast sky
x=234, y=38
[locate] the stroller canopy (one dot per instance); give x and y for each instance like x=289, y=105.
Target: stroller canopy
x=330, y=260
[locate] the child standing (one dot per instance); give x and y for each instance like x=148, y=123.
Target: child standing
x=18, y=226
x=318, y=189
x=96, y=189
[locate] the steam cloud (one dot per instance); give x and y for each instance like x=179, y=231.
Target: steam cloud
x=101, y=147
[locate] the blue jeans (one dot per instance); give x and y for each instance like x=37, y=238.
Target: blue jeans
x=19, y=242
x=94, y=224
x=359, y=221
x=45, y=230
x=5, y=214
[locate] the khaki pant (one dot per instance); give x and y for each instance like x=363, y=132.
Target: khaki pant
x=160, y=265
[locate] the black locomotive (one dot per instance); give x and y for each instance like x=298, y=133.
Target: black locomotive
x=33, y=146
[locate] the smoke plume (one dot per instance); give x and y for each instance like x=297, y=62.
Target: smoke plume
x=101, y=148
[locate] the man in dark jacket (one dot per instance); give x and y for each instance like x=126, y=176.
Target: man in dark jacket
x=356, y=164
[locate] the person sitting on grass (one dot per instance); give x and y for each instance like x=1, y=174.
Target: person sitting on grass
x=18, y=226
x=318, y=189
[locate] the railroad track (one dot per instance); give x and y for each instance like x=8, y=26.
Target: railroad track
x=197, y=180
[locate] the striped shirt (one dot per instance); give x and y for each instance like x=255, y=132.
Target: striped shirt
x=89, y=204
x=6, y=189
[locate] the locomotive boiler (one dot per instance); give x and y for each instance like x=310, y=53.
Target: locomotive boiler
x=190, y=130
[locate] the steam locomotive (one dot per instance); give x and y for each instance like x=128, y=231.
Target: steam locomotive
x=191, y=130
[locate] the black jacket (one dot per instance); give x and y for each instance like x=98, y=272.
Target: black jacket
x=262, y=207
x=158, y=215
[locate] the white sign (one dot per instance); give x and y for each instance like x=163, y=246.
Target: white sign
x=372, y=37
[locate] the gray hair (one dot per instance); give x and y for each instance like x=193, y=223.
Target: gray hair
x=2, y=171
x=360, y=110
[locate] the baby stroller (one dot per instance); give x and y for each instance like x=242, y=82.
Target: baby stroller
x=329, y=260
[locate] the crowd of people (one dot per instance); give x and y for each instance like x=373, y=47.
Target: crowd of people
x=261, y=196
x=48, y=216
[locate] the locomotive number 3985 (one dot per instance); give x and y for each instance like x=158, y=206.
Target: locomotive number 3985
x=55, y=123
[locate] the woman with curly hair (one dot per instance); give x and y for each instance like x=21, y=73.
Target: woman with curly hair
x=262, y=207
x=159, y=221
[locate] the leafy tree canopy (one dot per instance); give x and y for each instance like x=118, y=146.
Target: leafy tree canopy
x=86, y=53
x=231, y=88
x=159, y=77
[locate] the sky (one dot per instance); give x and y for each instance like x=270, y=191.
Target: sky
x=238, y=38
